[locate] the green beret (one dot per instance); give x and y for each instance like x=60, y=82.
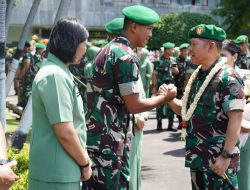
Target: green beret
x=98, y=43
x=241, y=39
x=140, y=14
x=168, y=45
x=184, y=46
x=114, y=26
x=210, y=32
x=40, y=46
x=91, y=52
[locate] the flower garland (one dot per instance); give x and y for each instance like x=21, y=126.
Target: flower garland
x=187, y=114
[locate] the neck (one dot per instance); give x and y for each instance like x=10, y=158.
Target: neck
x=130, y=38
x=166, y=56
x=207, y=64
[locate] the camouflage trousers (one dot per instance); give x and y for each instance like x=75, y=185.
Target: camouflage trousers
x=107, y=173
x=208, y=180
x=164, y=111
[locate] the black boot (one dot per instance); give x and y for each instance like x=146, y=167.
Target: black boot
x=159, y=125
x=170, y=125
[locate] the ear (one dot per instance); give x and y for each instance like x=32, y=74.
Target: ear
x=211, y=45
x=235, y=57
x=133, y=27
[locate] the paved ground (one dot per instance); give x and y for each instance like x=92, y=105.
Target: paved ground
x=163, y=159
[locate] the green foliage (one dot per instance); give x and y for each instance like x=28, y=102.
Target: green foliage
x=236, y=16
x=21, y=169
x=174, y=27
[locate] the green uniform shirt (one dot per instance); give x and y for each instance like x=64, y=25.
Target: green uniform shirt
x=206, y=132
x=55, y=99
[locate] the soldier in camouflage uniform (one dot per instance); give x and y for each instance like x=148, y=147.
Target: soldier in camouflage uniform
x=243, y=61
x=164, y=71
x=183, y=62
x=213, y=128
x=113, y=93
x=26, y=61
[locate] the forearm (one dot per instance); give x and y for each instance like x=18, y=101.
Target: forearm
x=233, y=131
x=147, y=104
x=3, y=147
x=70, y=142
x=176, y=105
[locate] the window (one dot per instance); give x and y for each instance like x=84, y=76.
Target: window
x=163, y=1
x=196, y=2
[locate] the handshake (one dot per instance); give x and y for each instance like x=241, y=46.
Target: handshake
x=169, y=91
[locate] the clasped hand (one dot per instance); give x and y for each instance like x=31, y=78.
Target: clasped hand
x=169, y=91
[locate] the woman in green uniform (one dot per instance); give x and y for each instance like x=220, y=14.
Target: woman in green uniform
x=58, y=156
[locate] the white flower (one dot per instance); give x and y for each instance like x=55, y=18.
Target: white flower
x=187, y=114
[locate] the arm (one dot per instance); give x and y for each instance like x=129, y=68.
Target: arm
x=25, y=68
x=176, y=105
x=3, y=148
x=135, y=104
x=232, y=135
x=7, y=176
x=69, y=140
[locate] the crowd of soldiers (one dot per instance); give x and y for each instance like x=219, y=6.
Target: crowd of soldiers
x=168, y=65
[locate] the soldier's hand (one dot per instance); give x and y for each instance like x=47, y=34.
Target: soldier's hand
x=140, y=123
x=171, y=94
x=221, y=165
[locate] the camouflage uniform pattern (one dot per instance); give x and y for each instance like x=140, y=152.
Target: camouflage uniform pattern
x=206, y=130
x=183, y=64
x=25, y=83
x=208, y=180
x=115, y=74
x=78, y=71
x=243, y=61
x=163, y=70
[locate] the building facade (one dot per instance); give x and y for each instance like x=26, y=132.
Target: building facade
x=94, y=13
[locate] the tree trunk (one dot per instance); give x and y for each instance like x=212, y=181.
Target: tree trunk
x=8, y=16
x=2, y=62
x=63, y=9
x=21, y=43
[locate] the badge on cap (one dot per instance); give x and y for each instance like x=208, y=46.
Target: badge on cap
x=199, y=30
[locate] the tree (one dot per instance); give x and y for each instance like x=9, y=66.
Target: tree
x=11, y=4
x=236, y=16
x=2, y=62
x=174, y=27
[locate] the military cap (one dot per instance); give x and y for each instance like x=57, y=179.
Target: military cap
x=140, y=14
x=98, y=43
x=168, y=45
x=241, y=39
x=210, y=32
x=184, y=46
x=40, y=46
x=114, y=26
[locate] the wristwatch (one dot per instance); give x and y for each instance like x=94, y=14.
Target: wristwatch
x=226, y=154
x=3, y=161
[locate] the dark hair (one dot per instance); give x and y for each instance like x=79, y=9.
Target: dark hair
x=27, y=44
x=127, y=22
x=231, y=47
x=65, y=37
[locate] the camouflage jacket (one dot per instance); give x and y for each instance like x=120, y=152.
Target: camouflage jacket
x=182, y=64
x=207, y=127
x=163, y=70
x=115, y=74
x=243, y=61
